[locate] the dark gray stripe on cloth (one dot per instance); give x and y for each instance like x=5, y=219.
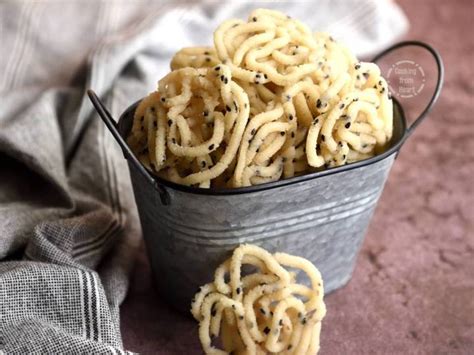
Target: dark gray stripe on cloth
x=86, y=303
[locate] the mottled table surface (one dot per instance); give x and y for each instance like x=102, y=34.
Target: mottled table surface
x=413, y=287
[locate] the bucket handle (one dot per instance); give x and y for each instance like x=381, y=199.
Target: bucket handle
x=439, y=80
x=127, y=152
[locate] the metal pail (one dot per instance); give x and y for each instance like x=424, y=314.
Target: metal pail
x=321, y=216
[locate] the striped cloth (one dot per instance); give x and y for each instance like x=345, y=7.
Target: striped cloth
x=68, y=224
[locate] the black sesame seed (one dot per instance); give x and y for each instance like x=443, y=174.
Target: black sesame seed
x=357, y=66
x=238, y=290
x=343, y=156
x=222, y=77
x=290, y=117
x=258, y=149
x=252, y=132
x=318, y=103
x=292, y=134
x=288, y=97
x=254, y=19
x=366, y=75
x=303, y=321
x=271, y=313
x=266, y=330
x=382, y=90
x=341, y=106
x=217, y=68
x=358, y=77
x=380, y=82
x=280, y=322
x=356, y=99
x=205, y=113
x=227, y=108
x=289, y=347
x=265, y=76
x=233, y=306
x=163, y=99
x=241, y=317
x=236, y=107
x=203, y=164
x=282, y=133
x=211, y=147
x=257, y=76
x=226, y=80
x=208, y=59
x=347, y=125
x=262, y=311
x=323, y=138
x=170, y=123
x=174, y=141
x=316, y=121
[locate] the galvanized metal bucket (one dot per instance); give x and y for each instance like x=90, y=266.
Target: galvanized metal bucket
x=321, y=216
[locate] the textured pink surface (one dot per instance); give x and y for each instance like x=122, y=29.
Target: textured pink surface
x=413, y=288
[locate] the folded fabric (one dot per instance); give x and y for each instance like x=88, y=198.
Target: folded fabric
x=68, y=223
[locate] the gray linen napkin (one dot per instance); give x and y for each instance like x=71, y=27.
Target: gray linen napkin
x=68, y=223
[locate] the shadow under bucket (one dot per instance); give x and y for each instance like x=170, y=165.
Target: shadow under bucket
x=321, y=216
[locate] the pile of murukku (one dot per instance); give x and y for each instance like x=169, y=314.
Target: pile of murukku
x=263, y=311
x=269, y=100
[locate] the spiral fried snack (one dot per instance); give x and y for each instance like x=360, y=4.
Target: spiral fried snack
x=272, y=99
x=264, y=311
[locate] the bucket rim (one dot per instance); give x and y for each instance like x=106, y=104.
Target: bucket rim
x=394, y=149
